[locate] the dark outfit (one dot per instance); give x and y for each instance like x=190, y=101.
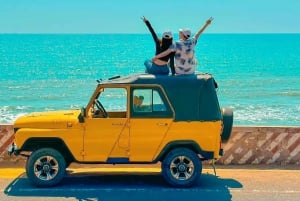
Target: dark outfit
x=153, y=68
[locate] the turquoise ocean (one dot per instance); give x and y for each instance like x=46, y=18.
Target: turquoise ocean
x=258, y=74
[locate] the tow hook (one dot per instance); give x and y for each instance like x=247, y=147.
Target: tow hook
x=12, y=148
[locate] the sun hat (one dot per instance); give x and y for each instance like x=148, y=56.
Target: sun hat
x=186, y=32
x=167, y=34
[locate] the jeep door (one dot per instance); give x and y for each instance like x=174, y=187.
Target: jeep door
x=150, y=119
x=106, y=136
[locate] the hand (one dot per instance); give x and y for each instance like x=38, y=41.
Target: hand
x=144, y=19
x=209, y=20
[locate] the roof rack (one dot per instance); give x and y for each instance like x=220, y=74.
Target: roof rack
x=114, y=77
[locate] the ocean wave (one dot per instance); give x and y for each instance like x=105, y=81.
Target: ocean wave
x=265, y=115
x=18, y=87
x=9, y=114
x=290, y=93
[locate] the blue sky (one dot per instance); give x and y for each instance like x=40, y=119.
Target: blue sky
x=123, y=16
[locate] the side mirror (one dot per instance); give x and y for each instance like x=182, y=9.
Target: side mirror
x=82, y=115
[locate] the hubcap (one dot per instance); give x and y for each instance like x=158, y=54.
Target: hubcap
x=46, y=168
x=182, y=168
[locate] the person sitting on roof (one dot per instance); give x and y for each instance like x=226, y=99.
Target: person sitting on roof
x=160, y=66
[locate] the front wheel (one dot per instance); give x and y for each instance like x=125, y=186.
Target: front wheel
x=181, y=167
x=46, y=167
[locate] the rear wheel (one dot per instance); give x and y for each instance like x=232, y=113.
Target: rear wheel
x=181, y=167
x=45, y=167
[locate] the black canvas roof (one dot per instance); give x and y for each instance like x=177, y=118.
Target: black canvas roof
x=193, y=97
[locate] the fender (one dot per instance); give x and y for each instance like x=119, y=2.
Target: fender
x=190, y=144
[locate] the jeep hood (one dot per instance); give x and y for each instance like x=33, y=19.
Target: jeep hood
x=53, y=119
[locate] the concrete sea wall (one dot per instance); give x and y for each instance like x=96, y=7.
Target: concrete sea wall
x=247, y=145
x=263, y=145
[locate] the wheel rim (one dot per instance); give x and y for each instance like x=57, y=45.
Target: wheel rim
x=46, y=168
x=182, y=168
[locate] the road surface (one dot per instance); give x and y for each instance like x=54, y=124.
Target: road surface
x=113, y=184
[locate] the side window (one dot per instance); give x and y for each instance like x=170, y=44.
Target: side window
x=141, y=100
x=147, y=100
x=114, y=99
x=111, y=103
x=158, y=104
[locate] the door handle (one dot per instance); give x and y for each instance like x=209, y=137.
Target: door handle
x=117, y=124
x=162, y=124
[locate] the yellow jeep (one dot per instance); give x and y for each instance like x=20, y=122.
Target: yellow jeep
x=137, y=119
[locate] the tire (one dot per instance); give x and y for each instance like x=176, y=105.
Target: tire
x=227, y=114
x=45, y=167
x=181, y=167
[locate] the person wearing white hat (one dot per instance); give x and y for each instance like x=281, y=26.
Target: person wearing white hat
x=160, y=66
x=185, y=61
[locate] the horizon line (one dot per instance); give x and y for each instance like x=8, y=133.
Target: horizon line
x=120, y=33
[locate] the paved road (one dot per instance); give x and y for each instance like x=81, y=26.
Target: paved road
x=97, y=184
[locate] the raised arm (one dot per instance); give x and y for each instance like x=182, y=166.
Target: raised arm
x=155, y=38
x=208, y=22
